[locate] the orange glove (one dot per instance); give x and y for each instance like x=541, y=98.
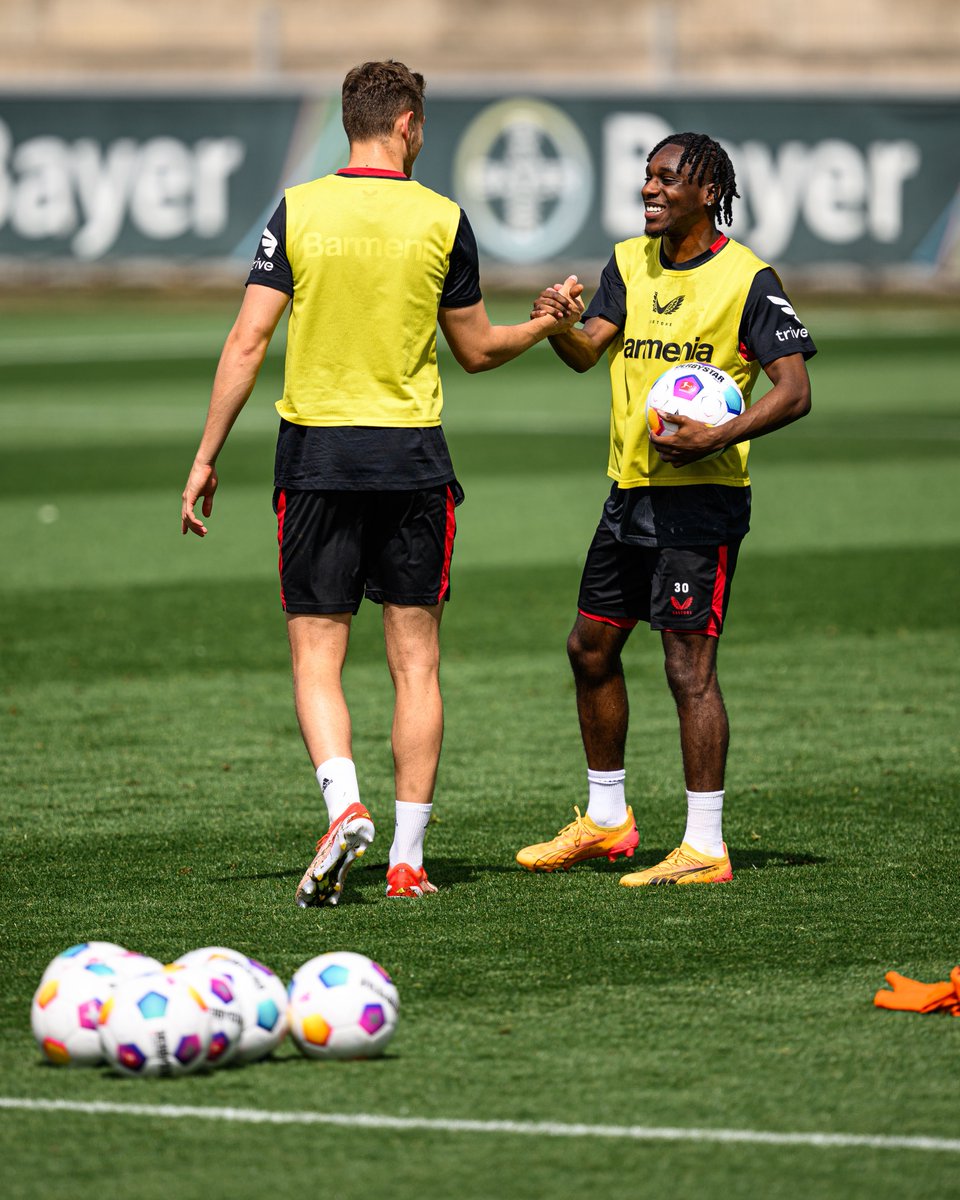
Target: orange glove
x=910, y=995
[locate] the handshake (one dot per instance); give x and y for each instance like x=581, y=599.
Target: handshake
x=910, y=995
x=561, y=302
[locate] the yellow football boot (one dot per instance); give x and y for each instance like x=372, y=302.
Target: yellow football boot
x=684, y=865
x=580, y=840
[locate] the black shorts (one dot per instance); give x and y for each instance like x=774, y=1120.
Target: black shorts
x=337, y=547
x=683, y=589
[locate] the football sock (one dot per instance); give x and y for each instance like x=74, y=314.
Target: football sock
x=412, y=821
x=705, y=823
x=607, y=803
x=338, y=782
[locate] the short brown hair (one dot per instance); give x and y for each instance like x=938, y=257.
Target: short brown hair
x=375, y=94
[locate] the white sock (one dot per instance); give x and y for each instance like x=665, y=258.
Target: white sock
x=607, y=804
x=338, y=782
x=412, y=821
x=705, y=823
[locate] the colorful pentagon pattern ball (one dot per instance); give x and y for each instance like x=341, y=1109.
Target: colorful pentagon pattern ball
x=79, y=955
x=262, y=998
x=220, y=992
x=107, y=957
x=98, y=1002
x=65, y=1015
x=155, y=1025
x=697, y=390
x=342, y=1005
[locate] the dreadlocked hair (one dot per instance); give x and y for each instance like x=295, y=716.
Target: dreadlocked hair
x=706, y=160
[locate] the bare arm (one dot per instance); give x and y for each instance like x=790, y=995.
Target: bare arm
x=581, y=348
x=787, y=401
x=240, y=362
x=479, y=346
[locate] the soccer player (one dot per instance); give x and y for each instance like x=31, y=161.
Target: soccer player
x=666, y=546
x=365, y=491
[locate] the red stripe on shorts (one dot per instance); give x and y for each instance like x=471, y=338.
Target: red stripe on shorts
x=715, y=624
x=619, y=622
x=451, y=530
x=281, y=513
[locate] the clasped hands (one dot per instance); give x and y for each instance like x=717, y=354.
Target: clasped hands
x=561, y=302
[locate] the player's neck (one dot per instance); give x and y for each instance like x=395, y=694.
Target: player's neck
x=681, y=248
x=378, y=156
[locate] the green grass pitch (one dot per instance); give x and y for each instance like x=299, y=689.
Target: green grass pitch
x=154, y=790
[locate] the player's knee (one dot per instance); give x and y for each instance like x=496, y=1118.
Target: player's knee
x=590, y=660
x=690, y=682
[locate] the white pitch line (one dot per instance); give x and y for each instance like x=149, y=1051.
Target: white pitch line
x=635, y=1133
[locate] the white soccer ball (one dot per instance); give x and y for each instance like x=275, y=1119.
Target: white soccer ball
x=155, y=1025
x=122, y=963
x=79, y=955
x=225, y=1000
x=65, y=1011
x=342, y=1005
x=65, y=1014
x=696, y=390
x=261, y=997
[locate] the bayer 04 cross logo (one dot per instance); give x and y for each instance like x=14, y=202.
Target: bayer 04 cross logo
x=524, y=175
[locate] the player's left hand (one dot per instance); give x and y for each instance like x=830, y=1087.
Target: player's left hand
x=692, y=441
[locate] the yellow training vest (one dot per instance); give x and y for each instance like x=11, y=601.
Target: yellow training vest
x=369, y=257
x=676, y=316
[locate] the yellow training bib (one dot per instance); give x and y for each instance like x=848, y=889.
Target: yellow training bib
x=369, y=257
x=676, y=316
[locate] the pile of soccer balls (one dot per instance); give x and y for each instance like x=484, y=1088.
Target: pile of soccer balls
x=99, y=1002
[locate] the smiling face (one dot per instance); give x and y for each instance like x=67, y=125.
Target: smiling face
x=675, y=206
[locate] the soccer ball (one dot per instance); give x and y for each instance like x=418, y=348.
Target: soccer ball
x=65, y=1014
x=261, y=996
x=79, y=955
x=155, y=1025
x=695, y=390
x=342, y=1005
x=225, y=1001
x=66, y=1006
x=121, y=962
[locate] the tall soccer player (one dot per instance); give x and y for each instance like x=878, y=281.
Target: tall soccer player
x=666, y=547
x=365, y=492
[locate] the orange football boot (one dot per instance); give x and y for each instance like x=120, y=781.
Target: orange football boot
x=580, y=840
x=684, y=865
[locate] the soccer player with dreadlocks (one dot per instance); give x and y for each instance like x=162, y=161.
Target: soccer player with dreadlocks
x=666, y=546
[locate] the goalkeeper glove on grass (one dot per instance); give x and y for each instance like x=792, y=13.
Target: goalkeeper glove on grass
x=910, y=995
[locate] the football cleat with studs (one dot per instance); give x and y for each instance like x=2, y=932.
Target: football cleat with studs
x=404, y=881
x=580, y=840
x=344, y=842
x=684, y=865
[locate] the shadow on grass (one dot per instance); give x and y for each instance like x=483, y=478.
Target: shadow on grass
x=761, y=860
x=443, y=870
x=285, y=1055
x=742, y=860
x=366, y=882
